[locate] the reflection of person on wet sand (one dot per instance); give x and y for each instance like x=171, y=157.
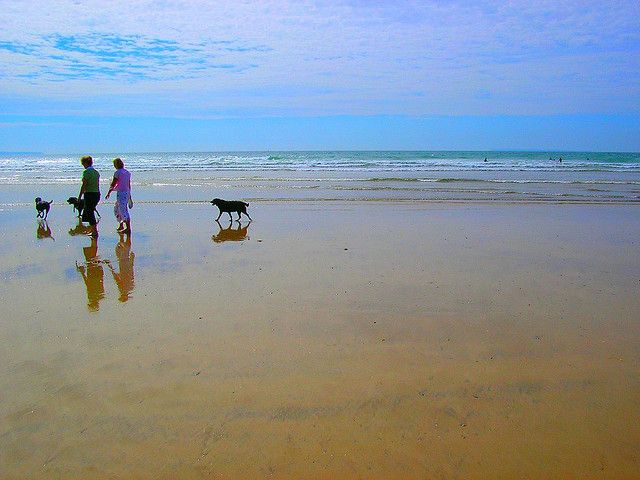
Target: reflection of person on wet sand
x=124, y=276
x=80, y=229
x=230, y=234
x=44, y=231
x=93, y=275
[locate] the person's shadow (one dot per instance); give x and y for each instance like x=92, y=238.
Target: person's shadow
x=231, y=234
x=93, y=275
x=124, y=277
x=44, y=231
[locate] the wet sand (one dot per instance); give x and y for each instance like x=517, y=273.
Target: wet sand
x=323, y=340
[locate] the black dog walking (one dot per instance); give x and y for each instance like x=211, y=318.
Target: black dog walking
x=78, y=206
x=230, y=206
x=42, y=208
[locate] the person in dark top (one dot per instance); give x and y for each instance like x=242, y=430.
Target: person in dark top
x=91, y=191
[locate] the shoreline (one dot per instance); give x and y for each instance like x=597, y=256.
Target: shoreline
x=390, y=201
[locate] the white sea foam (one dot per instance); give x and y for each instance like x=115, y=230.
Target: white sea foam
x=349, y=174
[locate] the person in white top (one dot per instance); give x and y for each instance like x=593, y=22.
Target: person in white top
x=121, y=183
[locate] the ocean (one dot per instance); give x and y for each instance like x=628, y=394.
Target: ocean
x=339, y=175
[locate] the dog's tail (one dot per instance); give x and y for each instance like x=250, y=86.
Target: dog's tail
x=51, y=202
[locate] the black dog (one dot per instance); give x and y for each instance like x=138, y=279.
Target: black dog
x=78, y=205
x=43, y=208
x=226, y=206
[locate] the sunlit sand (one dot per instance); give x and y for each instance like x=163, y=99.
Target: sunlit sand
x=323, y=340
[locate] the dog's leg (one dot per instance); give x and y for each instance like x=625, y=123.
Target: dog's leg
x=219, y=216
x=248, y=216
x=230, y=217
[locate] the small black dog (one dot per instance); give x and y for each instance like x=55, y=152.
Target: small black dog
x=226, y=206
x=42, y=208
x=78, y=205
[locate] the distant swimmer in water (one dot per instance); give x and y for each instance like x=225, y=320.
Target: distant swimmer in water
x=485, y=159
x=560, y=159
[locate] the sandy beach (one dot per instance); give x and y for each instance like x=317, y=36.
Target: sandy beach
x=438, y=277
x=323, y=340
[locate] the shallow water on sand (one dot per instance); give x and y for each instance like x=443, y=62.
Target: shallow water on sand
x=323, y=340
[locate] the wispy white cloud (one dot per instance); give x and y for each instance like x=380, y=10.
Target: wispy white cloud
x=128, y=58
x=200, y=58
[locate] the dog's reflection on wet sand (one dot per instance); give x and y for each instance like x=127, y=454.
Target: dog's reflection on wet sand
x=80, y=229
x=231, y=234
x=44, y=231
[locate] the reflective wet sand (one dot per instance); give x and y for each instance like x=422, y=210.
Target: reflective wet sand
x=323, y=340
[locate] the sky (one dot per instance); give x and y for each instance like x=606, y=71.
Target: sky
x=193, y=75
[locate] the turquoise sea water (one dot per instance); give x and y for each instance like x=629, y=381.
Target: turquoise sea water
x=361, y=175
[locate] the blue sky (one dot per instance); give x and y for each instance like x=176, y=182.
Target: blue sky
x=173, y=75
